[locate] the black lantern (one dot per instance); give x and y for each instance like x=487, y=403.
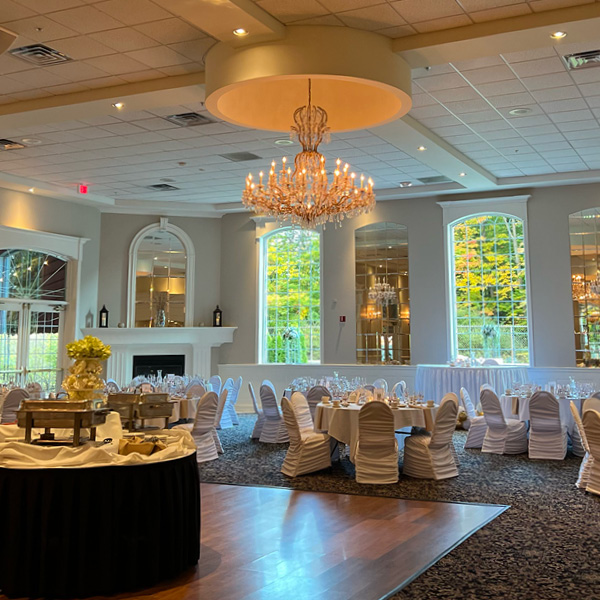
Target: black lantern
x=103, y=321
x=217, y=317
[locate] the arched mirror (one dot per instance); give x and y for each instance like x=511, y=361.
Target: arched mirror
x=382, y=295
x=160, y=278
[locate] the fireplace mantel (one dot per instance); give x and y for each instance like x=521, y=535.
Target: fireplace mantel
x=194, y=342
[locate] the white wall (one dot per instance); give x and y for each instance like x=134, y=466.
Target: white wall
x=550, y=292
x=39, y=213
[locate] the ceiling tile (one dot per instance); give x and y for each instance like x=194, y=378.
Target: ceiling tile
x=479, y=116
x=572, y=115
x=541, y=5
x=39, y=78
x=11, y=11
x=478, y=63
x=590, y=89
x=512, y=100
x=533, y=54
x=397, y=32
x=331, y=20
x=489, y=75
x=143, y=75
x=564, y=105
x=124, y=39
x=586, y=75
x=341, y=5
x=292, y=10
x=85, y=19
x=175, y=70
x=170, y=31
x=542, y=82
x=415, y=11
x=502, y=12
x=561, y=93
x=133, y=12
x=442, y=82
x=442, y=23
x=541, y=66
x=78, y=71
x=372, y=17
x=456, y=94
x=160, y=56
x=40, y=29
x=578, y=125
x=501, y=88
x=116, y=64
x=81, y=47
x=194, y=50
x=467, y=106
x=48, y=6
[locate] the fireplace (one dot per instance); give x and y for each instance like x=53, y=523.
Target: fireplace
x=168, y=364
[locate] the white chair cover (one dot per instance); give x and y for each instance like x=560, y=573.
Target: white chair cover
x=308, y=451
x=225, y=421
x=260, y=417
x=591, y=403
x=376, y=457
x=218, y=416
x=314, y=396
x=274, y=430
x=591, y=425
x=490, y=362
x=287, y=393
x=215, y=382
x=547, y=434
x=270, y=384
x=581, y=447
x=12, y=401
x=475, y=424
x=399, y=389
x=203, y=427
x=428, y=457
x=503, y=436
x=112, y=387
x=382, y=384
x=237, y=386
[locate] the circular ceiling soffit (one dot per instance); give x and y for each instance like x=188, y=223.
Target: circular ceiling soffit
x=356, y=78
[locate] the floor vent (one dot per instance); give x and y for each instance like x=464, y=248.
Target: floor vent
x=10, y=145
x=162, y=187
x=190, y=119
x=240, y=156
x=582, y=60
x=40, y=55
x=436, y=179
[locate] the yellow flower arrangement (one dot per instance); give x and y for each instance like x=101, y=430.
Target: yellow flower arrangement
x=85, y=373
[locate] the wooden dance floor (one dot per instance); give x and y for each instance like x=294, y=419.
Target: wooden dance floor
x=274, y=544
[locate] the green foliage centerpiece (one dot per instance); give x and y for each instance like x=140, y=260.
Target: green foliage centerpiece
x=84, y=381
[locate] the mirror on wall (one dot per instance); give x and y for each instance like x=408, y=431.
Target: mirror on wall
x=382, y=294
x=584, y=232
x=160, y=280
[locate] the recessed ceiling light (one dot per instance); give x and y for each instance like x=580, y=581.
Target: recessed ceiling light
x=519, y=112
x=31, y=141
x=119, y=105
x=421, y=148
x=31, y=190
x=406, y=184
x=284, y=142
x=558, y=35
x=462, y=174
x=240, y=32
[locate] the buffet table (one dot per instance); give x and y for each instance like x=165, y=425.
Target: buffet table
x=86, y=521
x=433, y=381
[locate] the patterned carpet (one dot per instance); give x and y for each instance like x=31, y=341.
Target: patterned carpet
x=546, y=546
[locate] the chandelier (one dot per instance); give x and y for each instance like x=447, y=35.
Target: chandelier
x=382, y=293
x=582, y=289
x=303, y=193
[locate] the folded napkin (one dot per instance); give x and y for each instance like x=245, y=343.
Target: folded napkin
x=138, y=444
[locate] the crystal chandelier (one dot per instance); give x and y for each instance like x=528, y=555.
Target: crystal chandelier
x=382, y=293
x=582, y=289
x=303, y=193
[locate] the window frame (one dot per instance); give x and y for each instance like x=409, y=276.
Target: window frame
x=455, y=212
x=262, y=296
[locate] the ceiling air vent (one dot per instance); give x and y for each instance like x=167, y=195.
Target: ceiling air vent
x=10, y=145
x=40, y=55
x=162, y=187
x=190, y=119
x=240, y=156
x=436, y=179
x=582, y=60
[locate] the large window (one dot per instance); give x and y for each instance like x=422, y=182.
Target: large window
x=291, y=306
x=382, y=298
x=489, y=291
x=32, y=300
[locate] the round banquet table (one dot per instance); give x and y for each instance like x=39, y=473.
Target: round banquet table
x=433, y=381
x=79, y=532
x=515, y=407
x=342, y=423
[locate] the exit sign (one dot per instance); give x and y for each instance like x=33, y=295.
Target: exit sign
x=83, y=189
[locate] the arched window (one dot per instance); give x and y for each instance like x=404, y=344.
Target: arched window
x=382, y=295
x=32, y=301
x=489, y=288
x=161, y=271
x=291, y=297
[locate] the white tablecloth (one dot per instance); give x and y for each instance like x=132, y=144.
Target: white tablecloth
x=523, y=409
x=342, y=423
x=433, y=381
x=183, y=408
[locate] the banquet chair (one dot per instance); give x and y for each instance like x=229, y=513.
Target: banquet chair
x=34, y=389
x=218, y=415
x=270, y=384
x=195, y=390
x=260, y=417
x=504, y=436
x=225, y=419
x=547, y=434
x=112, y=387
x=308, y=451
x=376, y=457
x=313, y=397
x=399, y=389
x=591, y=403
x=216, y=383
x=382, y=384
x=581, y=447
x=591, y=425
x=274, y=430
x=490, y=362
x=145, y=387
x=475, y=424
x=237, y=386
x=202, y=427
x=431, y=457
x=12, y=401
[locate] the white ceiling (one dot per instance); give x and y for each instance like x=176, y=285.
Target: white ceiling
x=461, y=108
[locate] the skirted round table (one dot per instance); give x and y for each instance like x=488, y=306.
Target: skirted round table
x=87, y=531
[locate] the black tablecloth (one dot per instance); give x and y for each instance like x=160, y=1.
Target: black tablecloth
x=97, y=531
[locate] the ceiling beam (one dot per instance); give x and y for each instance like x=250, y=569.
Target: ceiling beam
x=515, y=34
